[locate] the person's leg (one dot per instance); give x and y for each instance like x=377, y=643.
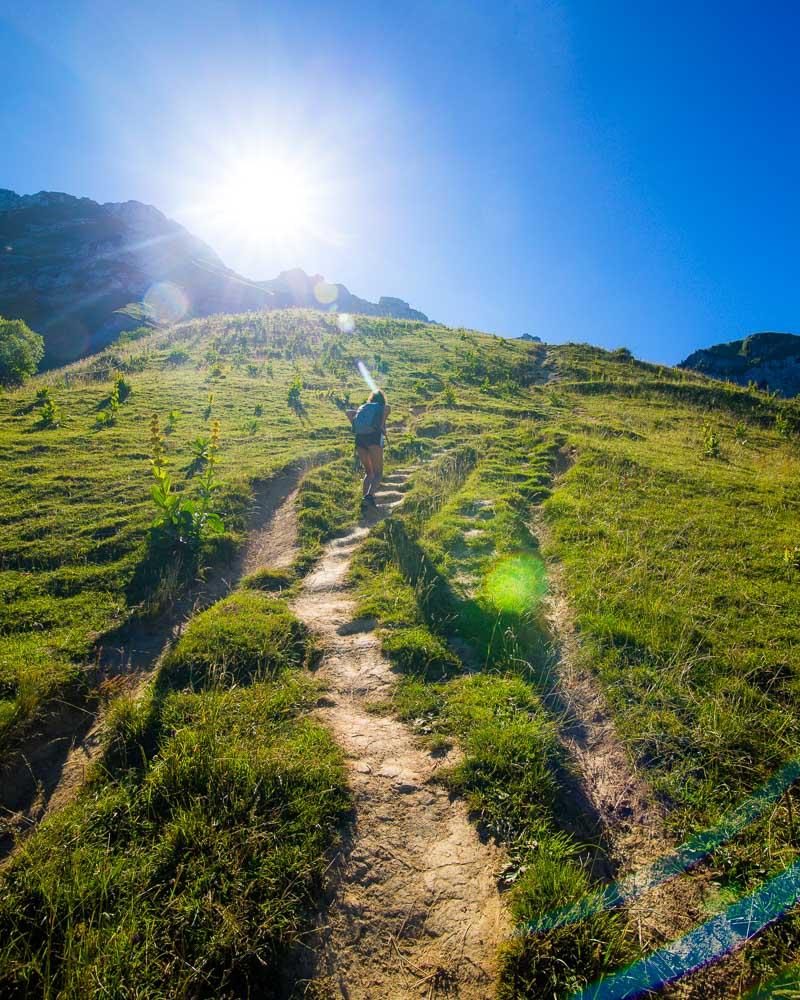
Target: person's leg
x=376, y=460
x=366, y=461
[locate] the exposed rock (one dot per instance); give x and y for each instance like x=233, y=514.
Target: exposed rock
x=771, y=360
x=529, y=337
x=79, y=273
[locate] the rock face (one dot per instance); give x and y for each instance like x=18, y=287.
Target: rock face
x=771, y=360
x=296, y=288
x=79, y=273
x=529, y=337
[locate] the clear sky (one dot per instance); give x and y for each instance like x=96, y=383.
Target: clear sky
x=624, y=173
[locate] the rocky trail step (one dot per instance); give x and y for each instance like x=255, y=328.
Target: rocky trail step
x=414, y=907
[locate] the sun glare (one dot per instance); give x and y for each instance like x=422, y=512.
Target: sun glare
x=267, y=199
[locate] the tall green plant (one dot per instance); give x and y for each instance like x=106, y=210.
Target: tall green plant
x=49, y=415
x=183, y=522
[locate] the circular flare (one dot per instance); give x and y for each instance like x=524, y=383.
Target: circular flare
x=165, y=302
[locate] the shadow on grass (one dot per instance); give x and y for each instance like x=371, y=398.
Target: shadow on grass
x=509, y=643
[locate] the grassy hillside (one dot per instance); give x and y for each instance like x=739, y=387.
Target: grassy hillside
x=671, y=501
x=75, y=499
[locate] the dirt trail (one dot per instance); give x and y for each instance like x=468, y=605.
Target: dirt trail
x=45, y=772
x=415, y=908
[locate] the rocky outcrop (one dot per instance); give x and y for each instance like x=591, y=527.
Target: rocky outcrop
x=296, y=288
x=79, y=273
x=770, y=360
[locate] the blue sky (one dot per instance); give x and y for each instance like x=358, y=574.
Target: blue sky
x=623, y=173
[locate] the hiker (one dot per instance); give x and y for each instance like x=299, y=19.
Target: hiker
x=369, y=426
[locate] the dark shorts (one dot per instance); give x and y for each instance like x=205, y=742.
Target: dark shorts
x=365, y=440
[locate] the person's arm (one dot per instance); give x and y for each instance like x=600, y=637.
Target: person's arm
x=351, y=415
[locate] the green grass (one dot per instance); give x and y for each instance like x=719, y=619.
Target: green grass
x=269, y=580
x=188, y=865
x=74, y=562
x=244, y=638
x=675, y=562
x=327, y=504
x=691, y=629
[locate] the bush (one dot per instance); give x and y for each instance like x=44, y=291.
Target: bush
x=177, y=357
x=21, y=350
x=244, y=638
x=184, y=524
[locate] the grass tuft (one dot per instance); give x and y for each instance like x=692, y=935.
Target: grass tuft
x=242, y=639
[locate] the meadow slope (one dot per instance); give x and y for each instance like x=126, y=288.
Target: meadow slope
x=665, y=504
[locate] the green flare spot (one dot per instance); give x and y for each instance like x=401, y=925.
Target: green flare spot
x=517, y=583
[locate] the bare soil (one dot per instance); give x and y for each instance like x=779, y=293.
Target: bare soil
x=414, y=907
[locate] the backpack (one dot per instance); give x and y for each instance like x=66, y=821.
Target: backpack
x=368, y=418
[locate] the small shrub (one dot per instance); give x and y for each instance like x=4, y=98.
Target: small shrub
x=177, y=357
x=122, y=387
x=252, y=370
x=258, y=410
x=200, y=449
x=449, y=397
x=129, y=336
x=622, y=354
x=183, y=522
x=120, y=391
x=782, y=424
x=294, y=399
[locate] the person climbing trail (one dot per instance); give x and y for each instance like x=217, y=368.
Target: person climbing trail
x=368, y=423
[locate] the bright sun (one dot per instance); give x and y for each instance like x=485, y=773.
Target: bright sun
x=267, y=199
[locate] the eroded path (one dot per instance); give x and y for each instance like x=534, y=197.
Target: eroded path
x=416, y=910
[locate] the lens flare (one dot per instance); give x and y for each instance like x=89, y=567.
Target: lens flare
x=365, y=374
x=687, y=856
x=325, y=293
x=705, y=944
x=266, y=197
x=345, y=322
x=165, y=302
x=517, y=583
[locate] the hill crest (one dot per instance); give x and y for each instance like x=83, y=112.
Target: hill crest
x=80, y=272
